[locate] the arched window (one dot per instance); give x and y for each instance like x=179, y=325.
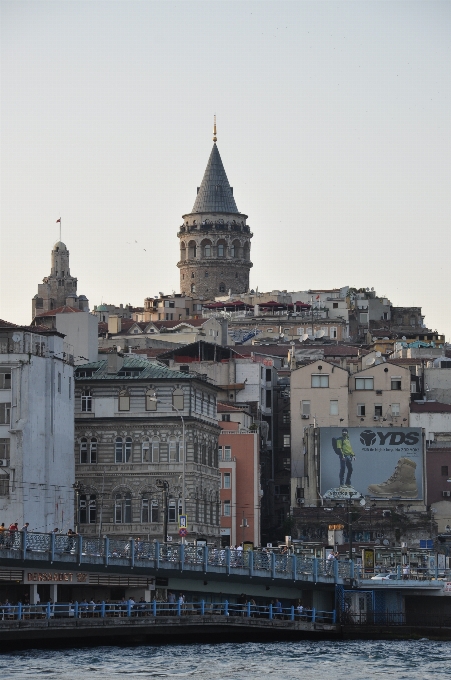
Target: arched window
x=151, y=400
x=182, y=251
x=174, y=510
x=222, y=287
x=124, y=400
x=246, y=251
x=86, y=401
x=192, y=250
x=196, y=452
x=83, y=450
x=193, y=287
x=123, y=507
x=149, y=509
x=221, y=250
x=145, y=451
x=232, y=251
x=87, y=509
x=123, y=450
x=178, y=399
x=174, y=450
x=204, y=454
x=207, y=250
x=155, y=450
x=93, y=451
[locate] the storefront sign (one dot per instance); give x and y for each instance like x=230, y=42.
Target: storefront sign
x=73, y=577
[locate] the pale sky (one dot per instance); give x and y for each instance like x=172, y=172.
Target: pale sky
x=333, y=126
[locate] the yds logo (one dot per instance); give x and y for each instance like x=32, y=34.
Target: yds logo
x=369, y=438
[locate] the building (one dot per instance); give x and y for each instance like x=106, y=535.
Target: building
x=239, y=463
x=79, y=327
x=145, y=438
x=215, y=239
x=60, y=288
x=37, y=469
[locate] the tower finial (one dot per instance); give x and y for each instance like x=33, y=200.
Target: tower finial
x=215, y=139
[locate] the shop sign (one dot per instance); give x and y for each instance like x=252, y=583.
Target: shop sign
x=50, y=576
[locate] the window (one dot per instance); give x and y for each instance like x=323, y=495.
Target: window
x=395, y=409
x=155, y=451
x=5, y=414
x=174, y=451
x=123, y=450
x=378, y=410
x=300, y=331
x=227, y=480
x=124, y=401
x=226, y=512
x=151, y=400
x=222, y=287
x=193, y=287
x=360, y=409
x=268, y=399
x=88, y=450
x=93, y=451
x=268, y=375
x=333, y=332
x=364, y=383
x=320, y=380
x=4, y=485
x=83, y=450
x=396, y=383
x=123, y=507
x=5, y=381
x=220, y=250
x=286, y=417
x=207, y=250
x=334, y=305
x=145, y=451
x=88, y=508
x=86, y=401
x=178, y=399
x=363, y=317
x=286, y=441
x=227, y=453
x=172, y=510
x=305, y=408
x=444, y=470
x=225, y=417
x=4, y=449
x=149, y=509
x=333, y=410
x=232, y=251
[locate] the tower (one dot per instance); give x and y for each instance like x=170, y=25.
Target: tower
x=215, y=241
x=60, y=288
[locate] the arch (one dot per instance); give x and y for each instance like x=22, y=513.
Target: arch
x=222, y=288
x=206, y=248
x=235, y=249
x=193, y=287
x=192, y=250
x=221, y=248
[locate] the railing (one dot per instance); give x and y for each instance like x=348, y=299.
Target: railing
x=155, y=609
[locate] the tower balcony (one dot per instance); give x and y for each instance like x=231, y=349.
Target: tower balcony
x=214, y=228
x=214, y=261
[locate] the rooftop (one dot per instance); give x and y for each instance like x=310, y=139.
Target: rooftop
x=139, y=369
x=215, y=193
x=429, y=407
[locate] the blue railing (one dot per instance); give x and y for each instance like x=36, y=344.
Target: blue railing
x=129, y=609
x=79, y=550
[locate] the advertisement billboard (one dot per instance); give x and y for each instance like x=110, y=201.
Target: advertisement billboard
x=381, y=462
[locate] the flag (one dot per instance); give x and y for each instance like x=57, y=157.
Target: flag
x=317, y=297
x=58, y=220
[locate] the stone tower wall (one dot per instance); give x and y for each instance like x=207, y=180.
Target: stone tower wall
x=214, y=255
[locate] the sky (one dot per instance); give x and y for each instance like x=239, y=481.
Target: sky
x=333, y=127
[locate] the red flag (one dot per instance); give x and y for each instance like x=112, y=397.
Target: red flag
x=58, y=220
x=317, y=297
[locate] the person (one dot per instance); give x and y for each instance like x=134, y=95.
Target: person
x=13, y=529
x=70, y=541
x=2, y=534
x=171, y=602
x=343, y=449
x=330, y=562
x=299, y=609
x=181, y=602
x=25, y=526
x=277, y=609
x=406, y=572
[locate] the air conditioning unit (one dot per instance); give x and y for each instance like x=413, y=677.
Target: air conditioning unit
x=304, y=416
x=446, y=494
x=300, y=501
x=375, y=417
x=4, y=462
x=378, y=391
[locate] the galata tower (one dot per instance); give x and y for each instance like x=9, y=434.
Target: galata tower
x=215, y=241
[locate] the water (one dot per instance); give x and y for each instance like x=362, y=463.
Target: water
x=356, y=660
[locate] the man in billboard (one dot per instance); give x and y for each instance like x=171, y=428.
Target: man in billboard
x=343, y=449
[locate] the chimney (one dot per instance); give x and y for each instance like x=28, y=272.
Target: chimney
x=115, y=362
x=114, y=324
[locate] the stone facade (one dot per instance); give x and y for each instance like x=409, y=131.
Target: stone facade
x=122, y=450
x=215, y=240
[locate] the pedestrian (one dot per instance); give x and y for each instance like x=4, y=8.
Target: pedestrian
x=330, y=562
x=2, y=535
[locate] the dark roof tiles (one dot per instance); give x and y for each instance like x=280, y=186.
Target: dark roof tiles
x=215, y=193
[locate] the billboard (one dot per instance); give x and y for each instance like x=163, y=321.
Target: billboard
x=381, y=462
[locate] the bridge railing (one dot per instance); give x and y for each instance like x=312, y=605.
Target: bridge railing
x=129, y=608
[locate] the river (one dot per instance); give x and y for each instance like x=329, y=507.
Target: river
x=355, y=660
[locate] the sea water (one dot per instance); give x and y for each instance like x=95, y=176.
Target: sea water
x=328, y=660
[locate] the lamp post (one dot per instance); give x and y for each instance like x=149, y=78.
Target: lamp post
x=77, y=488
x=163, y=485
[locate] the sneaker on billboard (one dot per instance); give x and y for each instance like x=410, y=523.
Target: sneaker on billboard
x=401, y=483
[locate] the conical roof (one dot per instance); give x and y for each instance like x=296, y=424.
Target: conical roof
x=215, y=193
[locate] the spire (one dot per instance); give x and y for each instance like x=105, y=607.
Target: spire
x=215, y=193
x=215, y=139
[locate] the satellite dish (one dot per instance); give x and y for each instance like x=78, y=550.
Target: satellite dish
x=378, y=354
x=311, y=337
x=305, y=336
x=16, y=337
x=386, y=541
x=362, y=501
x=320, y=334
x=370, y=361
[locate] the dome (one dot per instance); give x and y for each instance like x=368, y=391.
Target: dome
x=82, y=297
x=59, y=245
x=102, y=308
